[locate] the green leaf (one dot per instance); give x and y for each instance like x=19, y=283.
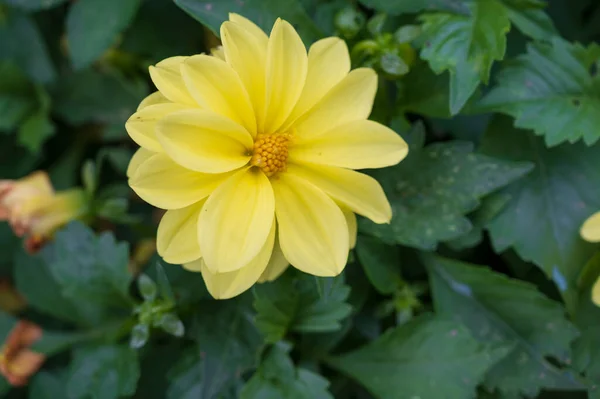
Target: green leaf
x=414, y=6
x=590, y=273
x=349, y=21
x=262, y=12
x=381, y=263
x=54, y=342
x=17, y=162
x=527, y=16
x=140, y=333
x=5, y=387
x=22, y=43
x=20, y=98
x=555, y=80
x=35, y=130
x=155, y=364
x=293, y=303
x=509, y=312
x=186, y=377
x=530, y=19
x=425, y=93
x=103, y=372
x=433, y=188
x=586, y=349
x=89, y=177
x=185, y=286
x=171, y=324
x=34, y=5
x=491, y=207
x=79, y=277
x=93, y=26
x=17, y=96
x=429, y=358
x=230, y=344
x=144, y=39
x=164, y=286
x=48, y=385
x=466, y=46
x=548, y=207
x=91, y=268
x=91, y=96
x=34, y=280
x=277, y=377
x=7, y=322
x=147, y=287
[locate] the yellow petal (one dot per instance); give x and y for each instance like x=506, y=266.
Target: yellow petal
x=287, y=65
x=203, y=141
x=152, y=99
x=350, y=100
x=216, y=86
x=357, y=191
x=355, y=145
x=54, y=212
x=230, y=284
x=312, y=229
x=236, y=220
x=166, y=76
x=177, y=235
x=140, y=156
x=218, y=52
x=250, y=26
x=276, y=266
x=247, y=54
x=328, y=64
x=590, y=231
x=352, y=227
x=141, y=126
x=596, y=292
x=164, y=184
x=195, y=266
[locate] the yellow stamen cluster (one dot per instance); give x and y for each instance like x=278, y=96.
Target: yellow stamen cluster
x=270, y=152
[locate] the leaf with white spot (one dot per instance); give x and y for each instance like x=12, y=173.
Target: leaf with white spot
x=466, y=46
x=433, y=188
x=552, y=89
x=547, y=208
x=507, y=312
x=427, y=358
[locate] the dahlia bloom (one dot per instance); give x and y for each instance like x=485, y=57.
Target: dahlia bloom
x=35, y=211
x=252, y=153
x=590, y=231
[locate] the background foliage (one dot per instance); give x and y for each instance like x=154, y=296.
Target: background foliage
x=477, y=289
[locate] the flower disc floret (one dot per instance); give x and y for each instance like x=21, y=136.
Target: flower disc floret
x=270, y=153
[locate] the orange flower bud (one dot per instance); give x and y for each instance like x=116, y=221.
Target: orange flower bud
x=17, y=361
x=34, y=210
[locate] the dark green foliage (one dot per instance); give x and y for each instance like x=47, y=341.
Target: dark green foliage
x=508, y=312
x=429, y=206
x=104, y=372
x=428, y=357
x=297, y=304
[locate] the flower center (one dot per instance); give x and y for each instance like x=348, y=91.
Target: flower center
x=270, y=152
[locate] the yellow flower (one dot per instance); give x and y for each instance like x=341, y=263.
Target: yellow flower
x=590, y=231
x=34, y=210
x=252, y=152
